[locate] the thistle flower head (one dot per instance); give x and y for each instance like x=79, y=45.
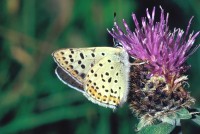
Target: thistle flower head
x=153, y=42
x=157, y=88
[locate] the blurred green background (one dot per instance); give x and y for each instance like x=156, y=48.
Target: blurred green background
x=32, y=99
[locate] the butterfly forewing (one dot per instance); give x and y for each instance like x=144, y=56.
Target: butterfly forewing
x=67, y=79
x=87, y=65
x=78, y=61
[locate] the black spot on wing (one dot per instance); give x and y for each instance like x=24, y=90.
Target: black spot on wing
x=93, y=55
x=71, y=50
x=111, y=90
x=83, y=66
x=109, y=80
x=107, y=73
x=79, y=62
x=71, y=66
x=81, y=55
x=82, y=75
x=76, y=71
x=92, y=71
x=72, y=60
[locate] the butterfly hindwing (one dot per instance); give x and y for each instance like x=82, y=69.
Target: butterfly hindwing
x=78, y=63
x=107, y=81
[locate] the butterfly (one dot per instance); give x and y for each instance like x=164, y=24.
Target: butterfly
x=100, y=73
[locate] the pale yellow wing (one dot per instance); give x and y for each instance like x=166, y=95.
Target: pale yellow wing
x=79, y=63
x=107, y=82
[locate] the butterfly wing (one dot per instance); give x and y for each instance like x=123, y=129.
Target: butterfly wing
x=68, y=80
x=79, y=62
x=107, y=82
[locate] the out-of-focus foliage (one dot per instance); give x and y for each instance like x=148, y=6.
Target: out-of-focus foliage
x=32, y=99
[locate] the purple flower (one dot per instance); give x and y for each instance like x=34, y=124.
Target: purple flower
x=164, y=51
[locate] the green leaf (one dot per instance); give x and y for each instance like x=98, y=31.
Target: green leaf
x=162, y=128
x=196, y=119
x=144, y=121
x=183, y=114
x=170, y=120
x=174, y=118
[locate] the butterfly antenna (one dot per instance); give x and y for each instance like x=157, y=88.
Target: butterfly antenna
x=115, y=14
x=116, y=42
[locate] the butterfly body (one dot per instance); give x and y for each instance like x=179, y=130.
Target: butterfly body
x=100, y=73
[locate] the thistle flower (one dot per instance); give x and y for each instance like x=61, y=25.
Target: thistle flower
x=165, y=51
x=158, y=86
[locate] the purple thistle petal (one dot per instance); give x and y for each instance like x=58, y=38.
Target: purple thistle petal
x=164, y=51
